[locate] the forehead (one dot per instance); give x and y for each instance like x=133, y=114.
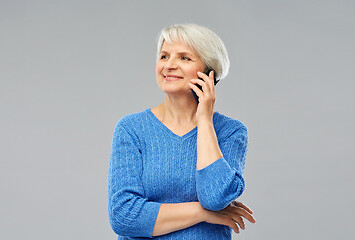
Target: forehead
x=177, y=46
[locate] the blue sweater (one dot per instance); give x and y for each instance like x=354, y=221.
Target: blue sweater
x=151, y=165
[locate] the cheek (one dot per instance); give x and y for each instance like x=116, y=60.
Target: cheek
x=158, y=68
x=192, y=72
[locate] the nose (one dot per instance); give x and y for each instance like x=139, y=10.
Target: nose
x=170, y=64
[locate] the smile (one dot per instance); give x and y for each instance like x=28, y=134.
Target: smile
x=172, y=77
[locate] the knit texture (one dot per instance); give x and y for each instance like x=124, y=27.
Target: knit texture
x=151, y=165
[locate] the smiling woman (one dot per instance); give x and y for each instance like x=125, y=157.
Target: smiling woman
x=202, y=41
x=177, y=63
x=176, y=170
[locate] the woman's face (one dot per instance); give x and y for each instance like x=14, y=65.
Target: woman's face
x=177, y=64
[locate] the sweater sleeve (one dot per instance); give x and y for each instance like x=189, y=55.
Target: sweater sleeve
x=221, y=182
x=130, y=213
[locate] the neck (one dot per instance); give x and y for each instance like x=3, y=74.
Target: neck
x=181, y=110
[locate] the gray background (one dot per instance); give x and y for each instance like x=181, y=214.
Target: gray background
x=69, y=70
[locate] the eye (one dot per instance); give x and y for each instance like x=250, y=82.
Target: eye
x=163, y=57
x=186, y=58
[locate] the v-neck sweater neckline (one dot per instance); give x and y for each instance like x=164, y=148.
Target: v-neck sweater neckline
x=168, y=131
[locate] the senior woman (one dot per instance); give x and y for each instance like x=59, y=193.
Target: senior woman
x=176, y=169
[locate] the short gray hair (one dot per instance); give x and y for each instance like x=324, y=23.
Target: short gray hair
x=204, y=41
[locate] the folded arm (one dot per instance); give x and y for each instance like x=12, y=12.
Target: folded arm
x=176, y=216
x=130, y=213
x=133, y=215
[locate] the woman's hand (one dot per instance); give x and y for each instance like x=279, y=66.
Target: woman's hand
x=231, y=216
x=207, y=96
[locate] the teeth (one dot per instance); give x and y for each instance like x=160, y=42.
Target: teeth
x=172, y=77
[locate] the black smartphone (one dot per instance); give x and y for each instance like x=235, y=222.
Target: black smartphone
x=207, y=72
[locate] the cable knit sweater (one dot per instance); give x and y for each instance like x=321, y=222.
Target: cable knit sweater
x=151, y=165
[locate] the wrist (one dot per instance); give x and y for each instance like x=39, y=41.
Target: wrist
x=201, y=213
x=204, y=121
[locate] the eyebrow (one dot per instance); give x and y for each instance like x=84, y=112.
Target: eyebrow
x=180, y=53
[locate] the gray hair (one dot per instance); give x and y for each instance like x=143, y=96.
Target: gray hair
x=205, y=42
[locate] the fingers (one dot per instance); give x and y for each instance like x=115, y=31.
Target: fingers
x=196, y=89
x=239, y=204
x=205, y=76
x=242, y=210
x=233, y=216
x=211, y=75
x=206, y=92
x=203, y=84
x=240, y=221
x=209, y=79
x=244, y=213
x=234, y=226
x=224, y=218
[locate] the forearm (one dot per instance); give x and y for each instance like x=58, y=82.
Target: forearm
x=177, y=216
x=208, y=150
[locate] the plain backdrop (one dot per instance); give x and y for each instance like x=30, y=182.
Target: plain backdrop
x=69, y=70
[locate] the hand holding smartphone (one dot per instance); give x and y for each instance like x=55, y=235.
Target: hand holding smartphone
x=207, y=72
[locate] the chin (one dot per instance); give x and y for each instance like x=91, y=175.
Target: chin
x=176, y=91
